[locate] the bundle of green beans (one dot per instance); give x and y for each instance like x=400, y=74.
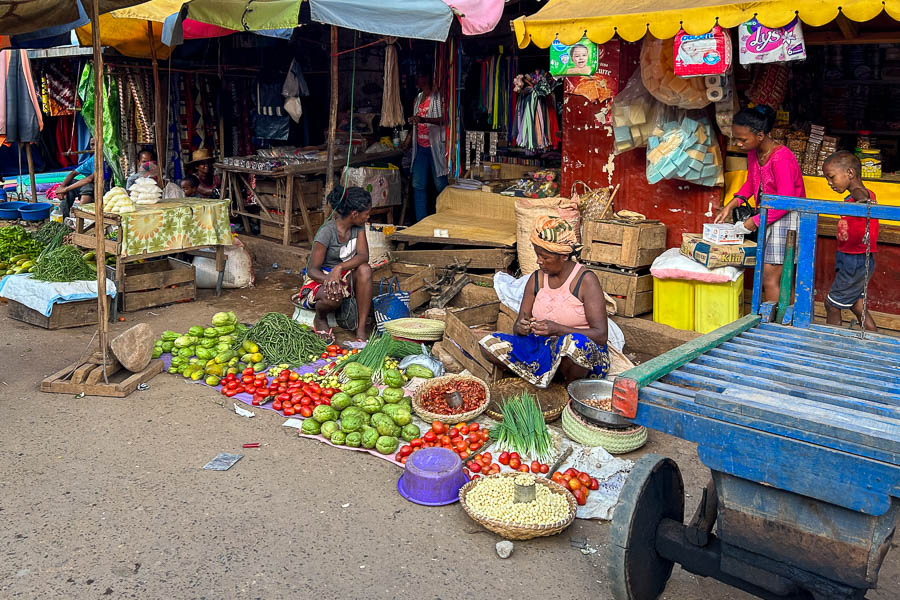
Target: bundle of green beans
x=377, y=349
x=51, y=231
x=283, y=340
x=63, y=264
x=523, y=429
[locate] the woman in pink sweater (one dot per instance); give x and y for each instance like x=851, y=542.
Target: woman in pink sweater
x=772, y=169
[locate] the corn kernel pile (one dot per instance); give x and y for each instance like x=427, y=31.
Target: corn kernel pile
x=493, y=498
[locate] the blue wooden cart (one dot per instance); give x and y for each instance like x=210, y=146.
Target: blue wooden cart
x=800, y=427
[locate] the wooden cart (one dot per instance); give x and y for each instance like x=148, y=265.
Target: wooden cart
x=800, y=427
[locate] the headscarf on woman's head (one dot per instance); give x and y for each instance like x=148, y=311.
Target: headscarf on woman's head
x=555, y=235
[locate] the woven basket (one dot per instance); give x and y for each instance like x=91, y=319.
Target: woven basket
x=449, y=419
x=426, y=330
x=552, y=400
x=614, y=441
x=519, y=531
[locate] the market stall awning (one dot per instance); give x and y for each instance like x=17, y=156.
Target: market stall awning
x=423, y=19
x=569, y=20
x=128, y=36
x=25, y=17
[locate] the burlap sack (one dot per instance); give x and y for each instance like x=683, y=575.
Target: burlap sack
x=527, y=210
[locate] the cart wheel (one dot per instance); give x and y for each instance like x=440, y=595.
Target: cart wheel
x=654, y=491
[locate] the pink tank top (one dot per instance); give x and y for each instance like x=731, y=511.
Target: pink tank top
x=560, y=305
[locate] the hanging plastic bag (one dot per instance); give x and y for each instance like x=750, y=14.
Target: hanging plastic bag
x=658, y=75
x=683, y=146
x=633, y=115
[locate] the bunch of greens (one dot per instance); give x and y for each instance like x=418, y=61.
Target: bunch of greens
x=283, y=340
x=377, y=349
x=523, y=429
x=64, y=263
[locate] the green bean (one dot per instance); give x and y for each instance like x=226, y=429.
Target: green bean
x=283, y=340
x=63, y=264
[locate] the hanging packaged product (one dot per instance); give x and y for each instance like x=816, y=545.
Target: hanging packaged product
x=700, y=55
x=658, y=75
x=633, y=115
x=683, y=146
x=578, y=59
x=759, y=44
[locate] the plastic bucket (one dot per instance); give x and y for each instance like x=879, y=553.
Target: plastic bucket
x=432, y=477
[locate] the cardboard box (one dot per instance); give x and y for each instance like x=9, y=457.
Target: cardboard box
x=718, y=255
x=721, y=233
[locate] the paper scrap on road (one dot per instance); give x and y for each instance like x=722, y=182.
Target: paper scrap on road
x=243, y=412
x=222, y=462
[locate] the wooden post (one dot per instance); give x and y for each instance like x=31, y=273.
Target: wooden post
x=157, y=97
x=102, y=306
x=31, y=171
x=332, y=118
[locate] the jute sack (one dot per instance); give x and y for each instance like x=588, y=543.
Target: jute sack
x=527, y=210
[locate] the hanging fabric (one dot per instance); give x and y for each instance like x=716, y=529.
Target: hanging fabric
x=110, y=125
x=391, y=104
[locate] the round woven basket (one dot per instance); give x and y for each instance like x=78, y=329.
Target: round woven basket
x=449, y=419
x=426, y=330
x=614, y=441
x=519, y=531
x=553, y=400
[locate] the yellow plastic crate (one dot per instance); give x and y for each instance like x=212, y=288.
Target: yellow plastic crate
x=717, y=304
x=673, y=302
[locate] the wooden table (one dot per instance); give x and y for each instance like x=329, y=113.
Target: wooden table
x=85, y=237
x=235, y=180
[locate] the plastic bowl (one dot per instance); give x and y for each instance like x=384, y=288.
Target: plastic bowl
x=10, y=210
x=35, y=212
x=432, y=477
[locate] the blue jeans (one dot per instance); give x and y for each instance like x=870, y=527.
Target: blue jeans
x=422, y=166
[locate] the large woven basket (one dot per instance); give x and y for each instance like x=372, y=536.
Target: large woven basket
x=614, y=441
x=411, y=328
x=519, y=531
x=552, y=400
x=449, y=419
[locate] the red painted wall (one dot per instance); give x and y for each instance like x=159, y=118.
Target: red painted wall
x=587, y=147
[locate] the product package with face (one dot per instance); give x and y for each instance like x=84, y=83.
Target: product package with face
x=562, y=322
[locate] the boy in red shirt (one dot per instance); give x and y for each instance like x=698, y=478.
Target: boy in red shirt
x=842, y=170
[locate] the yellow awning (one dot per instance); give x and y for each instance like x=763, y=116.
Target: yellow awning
x=155, y=10
x=570, y=20
x=128, y=36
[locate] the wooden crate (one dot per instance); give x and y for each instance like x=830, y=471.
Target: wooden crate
x=410, y=277
x=465, y=327
x=155, y=283
x=489, y=258
x=276, y=230
x=63, y=315
x=310, y=192
x=623, y=243
x=633, y=291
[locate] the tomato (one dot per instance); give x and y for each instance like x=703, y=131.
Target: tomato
x=535, y=466
x=463, y=430
x=460, y=445
x=230, y=393
x=429, y=436
x=333, y=348
x=485, y=436
x=477, y=457
x=503, y=459
x=354, y=351
x=473, y=438
x=557, y=477
x=475, y=446
x=454, y=432
x=595, y=485
x=262, y=398
x=345, y=352
x=545, y=468
x=328, y=392
x=474, y=466
x=305, y=411
x=315, y=387
x=475, y=476
x=284, y=376
x=495, y=468
x=574, y=484
x=248, y=371
x=445, y=440
x=571, y=472
x=514, y=462
x=255, y=401
x=580, y=496
x=323, y=355
x=585, y=479
x=474, y=426
x=523, y=469
x=289, y=411
x=294, y=376
x=416, y=442
x=438, y=427
x=282, y=389
x=322, y=372
x=232, y=385
x=332, y=354
x=463, y=455
x=276, y=405
x=306, y=401
x=514, y=455
x=240, y=390
x=402, y=460
x=466, y=472
x=250, y=389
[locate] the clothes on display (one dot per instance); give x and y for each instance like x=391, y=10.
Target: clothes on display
x=537, y=123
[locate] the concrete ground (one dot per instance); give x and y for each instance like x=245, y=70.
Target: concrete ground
x=105, y=498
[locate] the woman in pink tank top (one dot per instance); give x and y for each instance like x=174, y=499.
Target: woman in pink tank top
x=562, y=320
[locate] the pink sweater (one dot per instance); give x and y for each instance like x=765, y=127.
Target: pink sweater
x=780, y=176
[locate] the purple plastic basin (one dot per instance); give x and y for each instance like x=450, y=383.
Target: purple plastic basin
x=432, y=477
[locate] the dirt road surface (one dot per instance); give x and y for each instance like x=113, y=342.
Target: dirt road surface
x=105, y=498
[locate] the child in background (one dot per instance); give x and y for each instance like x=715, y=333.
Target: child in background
x=190, y=186
x=842, y=170
x=146, y=156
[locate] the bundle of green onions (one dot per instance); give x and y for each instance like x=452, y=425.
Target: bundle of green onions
x=377, y=349
x=523, y=429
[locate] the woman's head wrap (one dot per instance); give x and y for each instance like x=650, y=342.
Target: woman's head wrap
x=555, y=235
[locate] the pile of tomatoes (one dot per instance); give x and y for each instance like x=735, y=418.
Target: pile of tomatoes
x=461, y=438
x=287, y=392
x=577, y=482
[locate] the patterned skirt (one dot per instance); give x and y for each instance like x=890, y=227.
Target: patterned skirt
x=776, y=238
x=536, y=358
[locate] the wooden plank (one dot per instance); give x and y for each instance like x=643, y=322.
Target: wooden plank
x=85, y=240
x=81, y=372
x=448, y=293
x=467, y=340
x=476, y=369
x=140, y=300
x=885, y=321
x=20, y=312
x=95, y=375
x=478, y=315
x=806, y=270
x=164, y=277
x=481, y=259
x=418, y=298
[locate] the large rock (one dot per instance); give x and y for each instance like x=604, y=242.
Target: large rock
x=134, y=348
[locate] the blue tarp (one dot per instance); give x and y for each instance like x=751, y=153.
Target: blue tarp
x=420, y=19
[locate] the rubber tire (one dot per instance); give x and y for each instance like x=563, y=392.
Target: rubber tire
x=653, y=491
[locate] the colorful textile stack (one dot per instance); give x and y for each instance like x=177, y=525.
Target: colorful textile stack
x=57, y=91
x=537, y=126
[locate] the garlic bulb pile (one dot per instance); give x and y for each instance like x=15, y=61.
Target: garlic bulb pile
x=145, y=191
x=117, y=201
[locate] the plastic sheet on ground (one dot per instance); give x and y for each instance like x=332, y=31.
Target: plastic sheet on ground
x=42, y=295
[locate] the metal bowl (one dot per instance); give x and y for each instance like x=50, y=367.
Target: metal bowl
x=595, y=389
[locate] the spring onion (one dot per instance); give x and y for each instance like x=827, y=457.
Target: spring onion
x=523, y=429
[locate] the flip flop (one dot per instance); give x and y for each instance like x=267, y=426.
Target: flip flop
x=328, y=336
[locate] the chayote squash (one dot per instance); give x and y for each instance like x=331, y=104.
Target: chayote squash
x=409, y=432
x=392, y=395
x=393, y=378
x=355, y=386
x=310, y=427
x=354, y=439
x=350, y=423
x=355, y=370
x=402, y=417
x=386, y=444
x=340, y=401
x=327, y=428
x=369, y=437
x=338, y=438
x=372, y=404
x=323, y=413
